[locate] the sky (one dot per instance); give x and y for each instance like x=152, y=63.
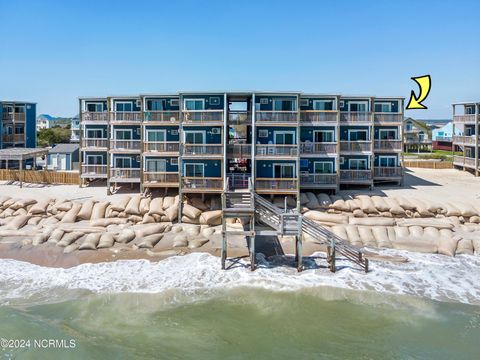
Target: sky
x=53, y=52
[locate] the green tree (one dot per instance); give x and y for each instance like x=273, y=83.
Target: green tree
x=54, y=135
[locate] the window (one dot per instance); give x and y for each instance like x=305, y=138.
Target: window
x=123, y=106
x=383, y=107
x=408, y=126
x=174, y=161
x=357, y=164
x=19, y=109
x=19, y=130
x=174, y=102
x=323, y=105
x=263, y=133
x=156, y=135
x=194, y=170
x=123, y=134
x=174, y=132
x=284, y=137
x=320, y=136
x=194, y=104
x=323, y=167
x=8, y=109
x=156, y=165
x=95, y=107
x=94, y=160
x=123, y=162
x=357, y=135
x=94, y=134
x=358, y=106
x=390, y=134
x=342, y=103
x=284, y=105
x=263, y=101
x=156, y=105
x=194, y=137
x=284, y=171
x=342, y=160
x=304, y=102
x=387, y=161
x=214, y=100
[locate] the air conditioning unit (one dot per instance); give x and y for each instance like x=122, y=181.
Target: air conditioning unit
x=263, y=101
x=138, y=103
x=216, y=131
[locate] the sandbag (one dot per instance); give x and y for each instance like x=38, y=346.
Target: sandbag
x=187, y=220
x=3, y=198
x=9, y=202
x=39, y=239
x=144, y=230
x=381, y=236
x=69, y=238
x=379, y=203
x=156, y=206
x=401, y=232
x=340, y=231
x=98, y=211
x=150, y=241
x=416, y=232
x=196, y=243
x=64, y=205
x=452, y=210
x=431, y=222
x=421, y=208
x=135, y=219
x=40, y=207
x=324, y=217
x=17, y=223
x=22, y=203
x=70, y=248
x=148, y=219
x=366, y=236
x=312, y=203
x=90, y=242
x=476, y=245
x=120, y=203
x=212, y=218
x=446, y=233
x=198, y=203
x=107, y=222
x=371, y=221
x=323, y=201
x=405, y=203
x=392, y=236
x=133, y=206
x=447, y=246
x=20, y=211
x=34, y=220
x=168, y=201
x=353, y=204
x=303, y=199
x=190, y=211
x=106, y=241
x=464, y=247
x=410, y=244
x=125, y=236
x=144, y=207
x=207, y=232
x=56, y=236
x=85, y=212
x=367, y=204
x=431, y=233
x=171, y=213
x=340, y=205
x=180, y=240
x=215, y=203
x=475, y=219
x=71, y=214
x=359, y=213
x=353, y=235
x=465, y=209
x=394, y=206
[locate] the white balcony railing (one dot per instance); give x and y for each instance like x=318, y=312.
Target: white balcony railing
x=127, y=116
x=318, y=148
x=385, y=118
x=275, y=116
x=239, y=117
x=387, y=172
x=160, y=178
x=355, y=117
x=318, y=179
x=125, y=145
x=276, y=150
x=95, y=116
x=161, y=147
x=239, y=150
x=275, y=184
x=356, y=146
x=202, y=149
x=467, y=140
x=202, y=116
x=469, y=118
x=94, y=170
x=355, y=175
x=388, y=145
x=162, y=116
x=202, y=183
x=125, y=173
x=318, y=116
x=94, y=143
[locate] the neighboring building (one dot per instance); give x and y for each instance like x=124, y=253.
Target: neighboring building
x=286, y=141
x=466, y=119
x=43, y=121
x=63, y=157
x=75, y=129
x=442, y=137
x=417, y=136
x=17, y=125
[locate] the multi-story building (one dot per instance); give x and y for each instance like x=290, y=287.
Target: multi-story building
x=18, y=124
x=417, y=136
x=466, y=120
x=283, y=141
x=75, y=129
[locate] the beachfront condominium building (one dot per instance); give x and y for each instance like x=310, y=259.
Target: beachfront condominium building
x=18, y=124
x=465, y=121
x=280, y=142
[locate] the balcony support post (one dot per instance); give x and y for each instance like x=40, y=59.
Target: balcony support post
x=337, y=137
x=180, y=156
x=80, y=117
x=109, y=133
x=476, y=139
x=297, y=158
x=142, y=139
x=254, y=142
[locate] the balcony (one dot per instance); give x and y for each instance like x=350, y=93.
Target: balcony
x=355, y=176
x=464, y=119
x=466, y=140
x=239, y=151
x=276, y=116
x=124, y=175
x=318, y=116
x=16, y=117
x=162, y=117
x=356, y=117
x=464, y=161
x=160, y=179
x=126, y=116
x=363, y=146
x=94, y=171
x=318, y=180
x=95, y=117
x=274, y=185
x=321, y=148
x=387, y=172
x=209, y=150
x=165, y=147
x=202, y=116
x=239, y=118
x=100, y=143
x=202, y=184
x=276, y=150
x=388, y=145
x=125, y=145
x=387, y=119
x=13, y=138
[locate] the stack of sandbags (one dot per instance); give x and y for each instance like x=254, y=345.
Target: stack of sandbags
x=190, y=214
x=326, y=219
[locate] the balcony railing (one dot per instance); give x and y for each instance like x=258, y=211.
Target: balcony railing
x=161, y=147
x=202, y=116
x=383, y=118
x=418, y=141
x=469, y=118
x=276, y=116
x=94, y=170
x=202, y=183
x=13, y=138
x=276, y=150
x=318, y=116
x=159, y=178
x=318, y=148
x=239, y=117
x=124, y=173
x=238, y=180
x=388, y=145
x=355, y=175
x=239, y=150
x=127, y=116
x=162, y=116
x=95, y=116
x=355, y=117
x=318, y=179
x=464, y=161
x=273, y=184
x=203, y=149
x=124, y=144
x=17, y=117
x=467, y=140
x=93, y=142
x=355, y=146
x=387, y=172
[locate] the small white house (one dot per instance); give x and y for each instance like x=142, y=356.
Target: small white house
x=63, y=157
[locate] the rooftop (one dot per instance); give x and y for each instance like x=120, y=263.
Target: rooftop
x=64, y=148
x=15, y=153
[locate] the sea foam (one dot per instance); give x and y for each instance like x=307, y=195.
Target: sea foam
x=434, y=277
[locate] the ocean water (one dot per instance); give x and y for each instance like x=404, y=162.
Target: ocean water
x=187, y=308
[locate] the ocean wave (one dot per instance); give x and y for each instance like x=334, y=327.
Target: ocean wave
x=434, y=277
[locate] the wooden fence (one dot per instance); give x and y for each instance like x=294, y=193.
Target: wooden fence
x=425, y=164
x=44, y=177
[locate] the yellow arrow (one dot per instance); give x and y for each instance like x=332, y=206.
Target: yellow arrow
x=425, y=83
